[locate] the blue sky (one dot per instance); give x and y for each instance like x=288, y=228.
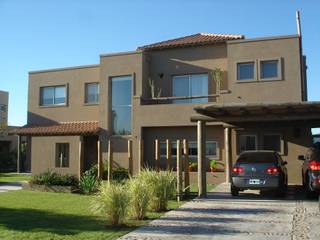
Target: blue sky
x=41, y=34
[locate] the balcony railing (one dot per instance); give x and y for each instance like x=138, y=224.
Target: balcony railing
x=170, y=100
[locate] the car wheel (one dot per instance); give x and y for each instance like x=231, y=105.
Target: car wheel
x=281, y=191
x=309, y=191
x=234, y=191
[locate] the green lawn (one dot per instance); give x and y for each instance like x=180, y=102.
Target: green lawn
x=13, y=177
x=41, y=215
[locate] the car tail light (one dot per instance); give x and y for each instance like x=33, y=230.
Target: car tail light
x=314, y=165
x=237, y=170
x=272, y=170
x=317, y=181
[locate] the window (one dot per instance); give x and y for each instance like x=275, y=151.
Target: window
x=272, y=142
x=121, y=105
x=211, y=149
x=3, y=108
x=245, y=71
x=53, y=95
x=269, y=69
x=247, y=142
x=190, y=85
x=92, y=93
x=62, y=155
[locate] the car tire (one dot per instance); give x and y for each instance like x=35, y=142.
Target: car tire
x=234, y=191
x=309, y=191
x=281, y=191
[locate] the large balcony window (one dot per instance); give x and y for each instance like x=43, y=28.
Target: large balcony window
x=55, y=95
x=190, y=86
x=121, y=88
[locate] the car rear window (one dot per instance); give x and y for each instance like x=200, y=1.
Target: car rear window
x=261, y=157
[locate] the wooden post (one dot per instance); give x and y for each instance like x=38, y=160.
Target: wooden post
x=130, y=157
x=227, y=153
x=168, y=155
x=110, y=160
x=18, y=154
x=179, y=172
x=140, y=155
x=201, y=144
x=81, y=151
x=157, y=154
x=186, y=167
x=99, y=159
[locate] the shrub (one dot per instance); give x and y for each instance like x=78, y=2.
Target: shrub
x=139, y=197
x=93, y=171
x=88, y=184
x=162, y=186
x=51, y=178
x=118, y=174
x=112, y=202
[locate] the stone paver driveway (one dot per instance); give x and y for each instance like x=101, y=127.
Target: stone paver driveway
x=249, y=216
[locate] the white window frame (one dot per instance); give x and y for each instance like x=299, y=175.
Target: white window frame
x=244, y=61
x=189, y=87
x=279, y=65
x=191, y=156
x=86, y=93
x=53, y=104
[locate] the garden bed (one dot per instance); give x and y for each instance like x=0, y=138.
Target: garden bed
x=49, y=188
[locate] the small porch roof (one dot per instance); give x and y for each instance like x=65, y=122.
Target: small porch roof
x=60, y=129
x=259, y=112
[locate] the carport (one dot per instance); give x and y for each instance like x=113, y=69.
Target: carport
x=292, y=121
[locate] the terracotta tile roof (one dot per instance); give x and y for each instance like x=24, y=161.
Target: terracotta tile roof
x=192, y=40
x=60, y=128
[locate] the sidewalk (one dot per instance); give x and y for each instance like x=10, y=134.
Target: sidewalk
x=10, y=187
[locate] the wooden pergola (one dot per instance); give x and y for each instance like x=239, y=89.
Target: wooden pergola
x=234, y=114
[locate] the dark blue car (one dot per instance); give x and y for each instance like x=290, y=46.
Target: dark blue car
x=260, y=170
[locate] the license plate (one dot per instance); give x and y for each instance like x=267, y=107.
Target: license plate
x=254, y=181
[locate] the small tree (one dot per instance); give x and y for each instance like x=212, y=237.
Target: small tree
x=155, y=91
x=217, y=78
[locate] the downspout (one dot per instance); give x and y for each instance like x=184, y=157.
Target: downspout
x=304, y=96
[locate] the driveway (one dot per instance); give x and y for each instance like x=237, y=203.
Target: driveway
x=249, y=216
x=10, y=187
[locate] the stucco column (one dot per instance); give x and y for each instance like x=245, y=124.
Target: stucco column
x=201, y=144
x=227, y=148
x=18, y=154
x=81, y=152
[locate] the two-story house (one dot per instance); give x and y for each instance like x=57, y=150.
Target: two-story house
x=8, y=143
x=73, y=112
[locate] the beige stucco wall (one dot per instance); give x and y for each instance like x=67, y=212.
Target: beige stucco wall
x=286, y=90
x=43, y=152
x=4, y=98
x=76, y=109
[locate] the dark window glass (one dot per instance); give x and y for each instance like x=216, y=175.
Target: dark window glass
x=247, y=142
x=269, y=69
x=272, y=142
x=245, y=71
x=121, y=105
x=62, y=155
x=257, y=157
x=92, y=93
x=53, y=95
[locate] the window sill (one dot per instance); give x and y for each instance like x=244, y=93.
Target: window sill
x=270, y=79
x=54, y=106
x=121, y=136
x=246, y=81
x=90, y=104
